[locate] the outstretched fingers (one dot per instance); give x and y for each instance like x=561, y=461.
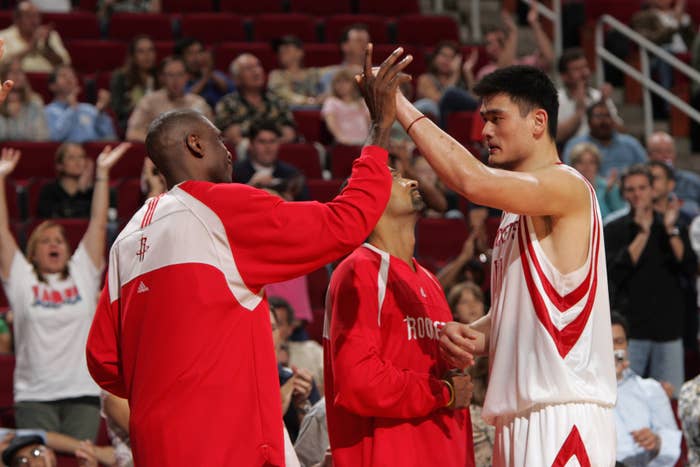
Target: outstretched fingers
x=5, y=89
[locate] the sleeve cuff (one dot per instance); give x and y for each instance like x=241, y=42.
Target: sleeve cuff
x=376, y=152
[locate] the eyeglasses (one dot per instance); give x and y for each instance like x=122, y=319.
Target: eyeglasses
x=35, y=453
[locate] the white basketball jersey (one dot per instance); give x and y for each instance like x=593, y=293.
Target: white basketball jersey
x=551, y=338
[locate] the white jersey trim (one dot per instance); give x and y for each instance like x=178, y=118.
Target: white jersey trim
x=382, y=278
x=203, y=242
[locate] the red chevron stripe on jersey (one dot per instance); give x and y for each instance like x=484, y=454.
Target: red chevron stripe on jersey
x=572, y=447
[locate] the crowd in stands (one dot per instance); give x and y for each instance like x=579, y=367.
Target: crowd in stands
x=290, y=111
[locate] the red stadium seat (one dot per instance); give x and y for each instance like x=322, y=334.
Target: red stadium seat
x=342, y=158
x=163, y=49
x=5, y=19
x=385, y=8
x=318, y=283
x=415, y=68
x=320, y=7
x=124, y=26
x=75, y=229
x=302, y=156
x=13, y=208
x=309, y=124
x=226, y=52
x=246, y=7
x=36, y=161
x=87, y=5
x=129, y=166
x=89, y=56
x=459, y=126
x=40, y=85
x=212, y=28
x=33, y=191
x=323, y=190
x=440, y=239
x=426, y=30
x=319, y=55
x=272, y=26
x=7, y=373
x=129, y=197
x=74, y=25
x=335, y=26
x=186, y=6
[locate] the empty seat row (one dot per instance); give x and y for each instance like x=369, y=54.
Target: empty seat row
x=314, y=7
x=211, y=28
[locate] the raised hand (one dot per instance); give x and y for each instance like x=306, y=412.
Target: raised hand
x=379, y=90
x=108, y=157
x=8, y=161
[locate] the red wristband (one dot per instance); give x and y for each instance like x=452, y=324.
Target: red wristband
x=414, y=122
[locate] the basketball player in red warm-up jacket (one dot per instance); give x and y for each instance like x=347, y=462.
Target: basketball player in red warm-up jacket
x=183, y=328
x=389, y=397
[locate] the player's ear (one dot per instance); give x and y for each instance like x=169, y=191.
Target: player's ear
x=540, y=120
x=194, y=144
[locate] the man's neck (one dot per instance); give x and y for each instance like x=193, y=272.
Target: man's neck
x=543, y=155
x=604, y=142
x=396, y=236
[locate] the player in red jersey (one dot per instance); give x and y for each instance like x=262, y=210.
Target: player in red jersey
x=389, y=399
x=182, y=328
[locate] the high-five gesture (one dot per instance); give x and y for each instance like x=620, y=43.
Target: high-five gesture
x=379, y=87
x=8, y=161
x=108, y=157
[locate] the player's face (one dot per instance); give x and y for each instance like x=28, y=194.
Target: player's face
x=217, y=156
x=507, y=133
x=637, y=191
x=405, y=197
x=469, y=308
x=51, y=254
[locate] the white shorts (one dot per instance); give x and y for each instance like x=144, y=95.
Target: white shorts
x=561, y=435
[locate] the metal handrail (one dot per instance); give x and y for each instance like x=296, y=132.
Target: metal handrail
x=553, y=14
x=643, y=77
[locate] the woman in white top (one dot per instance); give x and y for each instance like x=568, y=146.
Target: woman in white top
x=53, y=295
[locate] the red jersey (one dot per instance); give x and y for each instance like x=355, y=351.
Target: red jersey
x=385, y=402
x=183, y=328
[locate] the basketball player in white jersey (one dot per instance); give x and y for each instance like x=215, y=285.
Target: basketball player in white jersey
x=552, y=376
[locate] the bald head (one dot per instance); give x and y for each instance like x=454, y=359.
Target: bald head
x=185, y=145
x=661, y=147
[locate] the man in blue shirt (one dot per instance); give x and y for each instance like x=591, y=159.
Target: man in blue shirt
x=647, y=433
x=70, y=120
x=618, y=150
x=202, y=79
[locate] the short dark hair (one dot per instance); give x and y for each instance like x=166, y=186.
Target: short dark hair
x=54, y=74
x=595, y=105
x=263, y=125
x=278, y=302
x=168, y=60
x=568, y=56
x=183, y=44
x=666, y=168
x=617, y=318
x=528, y=87
x=353, y=27
x=287, y=40
x=636, y=169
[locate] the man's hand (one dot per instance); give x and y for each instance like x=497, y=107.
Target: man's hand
x=379, y=90
x=302, y=384
x=86, y=454
x=108, y=157
x=459, y=343
x=103, y=98
x=463, y=388
x=647, y=439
